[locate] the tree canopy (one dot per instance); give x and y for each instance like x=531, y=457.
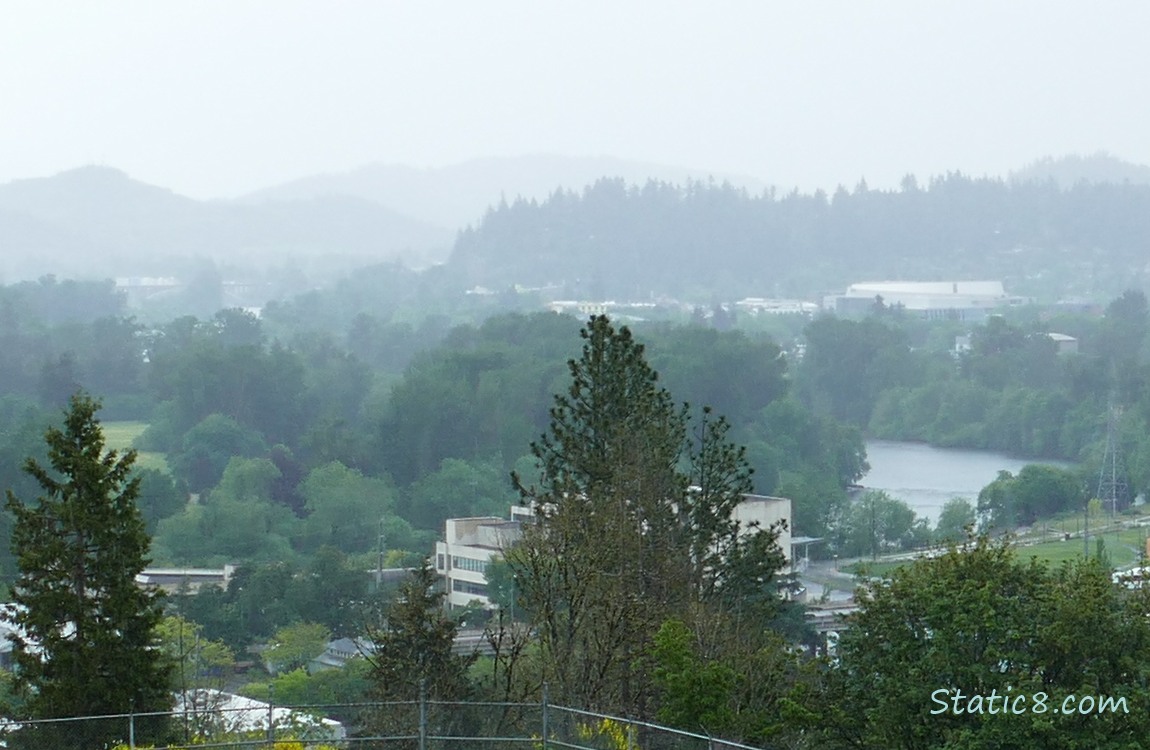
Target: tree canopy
x=986, y=622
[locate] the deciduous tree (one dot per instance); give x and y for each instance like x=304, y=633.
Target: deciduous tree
x=988, y=623
x=293, y=646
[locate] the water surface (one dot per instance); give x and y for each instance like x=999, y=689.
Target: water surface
x=926, y=477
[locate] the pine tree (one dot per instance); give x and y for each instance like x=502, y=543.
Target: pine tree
x=634, y=524
x=599, y=570
x=87, y=645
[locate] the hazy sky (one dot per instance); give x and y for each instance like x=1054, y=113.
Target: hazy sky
x=213, y=99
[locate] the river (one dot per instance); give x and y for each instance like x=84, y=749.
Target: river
x=926, y=477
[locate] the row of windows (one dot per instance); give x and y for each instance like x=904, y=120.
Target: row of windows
x=460, y=563
x=467, y=587
x=467, y=563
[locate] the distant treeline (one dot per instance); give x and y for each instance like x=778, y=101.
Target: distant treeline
x=708, y=241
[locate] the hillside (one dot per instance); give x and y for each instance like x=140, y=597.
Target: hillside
x=1099, y=167
x=709, y=243
x=456, y=196
x=98, y=221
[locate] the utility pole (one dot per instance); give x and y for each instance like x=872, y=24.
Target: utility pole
x=1086, y=530
x=873, y=532
x=381, y=547
x=1110, y=482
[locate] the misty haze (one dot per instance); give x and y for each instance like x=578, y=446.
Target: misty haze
x=635, y=376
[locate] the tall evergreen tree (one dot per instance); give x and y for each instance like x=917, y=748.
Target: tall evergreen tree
x=415, y=645
x=87, y=643
x=634, y=525
x=414, y=654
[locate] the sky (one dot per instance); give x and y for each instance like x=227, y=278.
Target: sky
x=214, y=99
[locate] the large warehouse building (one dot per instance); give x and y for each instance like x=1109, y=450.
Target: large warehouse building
x=933, y=300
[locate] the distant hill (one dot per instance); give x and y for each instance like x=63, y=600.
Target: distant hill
x=456, y=196
x=99, y=221
x=719, y=243
x=1068, y=171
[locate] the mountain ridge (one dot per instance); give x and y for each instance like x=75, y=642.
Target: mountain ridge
x=99, y=221
x=458, y=195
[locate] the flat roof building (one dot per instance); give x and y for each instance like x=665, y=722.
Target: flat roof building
x=932, y=300
x=172, y=580
x=470, y=545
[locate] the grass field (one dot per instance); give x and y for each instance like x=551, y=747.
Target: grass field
x=1123, y=548
x=121, y=436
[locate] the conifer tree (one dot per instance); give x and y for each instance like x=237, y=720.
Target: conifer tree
x=415, y=645
x=414, y=657
x=87, y=643
x=634, y=525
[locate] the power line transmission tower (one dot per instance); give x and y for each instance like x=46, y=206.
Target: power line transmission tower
x=1112, y=473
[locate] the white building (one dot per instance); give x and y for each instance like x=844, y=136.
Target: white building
x=1064, y=344
x=760, y=305
x=933, y=300
x=582, y=308
x=173, y=580
x=213, y=713
x=765, y=511
x=470, y=544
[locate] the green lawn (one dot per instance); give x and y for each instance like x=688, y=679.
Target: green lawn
x=121, y=436
x=1123, y=548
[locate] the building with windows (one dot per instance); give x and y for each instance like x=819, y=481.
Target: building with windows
x=468, y=547
x=581, y=308
x=470, y=544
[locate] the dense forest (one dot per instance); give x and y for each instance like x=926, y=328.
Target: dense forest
x=265, y=420
x=688, y=638
x=710, y=242
x=314, y=439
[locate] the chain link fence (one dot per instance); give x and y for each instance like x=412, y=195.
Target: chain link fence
x=222, y=721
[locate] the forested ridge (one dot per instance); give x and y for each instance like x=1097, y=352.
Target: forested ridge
x=714, y=241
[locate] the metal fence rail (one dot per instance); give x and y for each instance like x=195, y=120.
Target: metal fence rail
x=397, y=725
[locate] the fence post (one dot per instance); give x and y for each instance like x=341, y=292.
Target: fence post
x=546, y=721
x=423, y=714
x=132, y=727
